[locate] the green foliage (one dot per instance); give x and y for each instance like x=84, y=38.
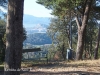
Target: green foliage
x=62, y=9
x=57, y=28
x=37, y=39
x=99, y=53
x=24, y=34
x=2, y=45
x=58, y=31
x=90, y=37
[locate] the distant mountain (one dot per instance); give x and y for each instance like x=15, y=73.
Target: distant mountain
x=36, y=28
x=31, y=21
x=38, y=39
x=35, y=24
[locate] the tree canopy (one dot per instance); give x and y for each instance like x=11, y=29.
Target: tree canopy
x=80, y=10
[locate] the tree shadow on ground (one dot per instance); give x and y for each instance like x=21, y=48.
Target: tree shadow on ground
x=60, y=73
x=56, y=73
x=59, y=65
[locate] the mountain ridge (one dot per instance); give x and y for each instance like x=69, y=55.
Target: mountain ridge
x=36, y=28
x=29, y=20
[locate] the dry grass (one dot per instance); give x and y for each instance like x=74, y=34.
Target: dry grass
x=95, y=63
x=85, y=65
x=90, y=63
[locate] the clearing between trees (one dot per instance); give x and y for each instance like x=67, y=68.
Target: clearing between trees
x=85, y=67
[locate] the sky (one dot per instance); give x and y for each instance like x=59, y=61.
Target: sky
x=32, y=8
x=35, y=9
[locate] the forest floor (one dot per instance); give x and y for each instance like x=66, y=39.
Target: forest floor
x=85, y=67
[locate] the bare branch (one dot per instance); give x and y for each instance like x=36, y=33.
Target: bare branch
x=77, y=21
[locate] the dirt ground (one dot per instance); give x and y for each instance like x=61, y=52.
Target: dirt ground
x=62, y=69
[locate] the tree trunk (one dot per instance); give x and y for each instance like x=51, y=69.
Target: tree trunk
x=63, y=52
x=90, y=48
x=97, y=45
x=14, y=37
x=80, y=44
x=81, y=29
x=84, y=50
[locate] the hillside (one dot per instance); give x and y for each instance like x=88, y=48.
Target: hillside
x=34, y=24
x=36, y=28
x=38, y=39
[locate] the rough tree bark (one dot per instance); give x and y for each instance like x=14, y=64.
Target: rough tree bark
x=14, y=37
x=81, y=29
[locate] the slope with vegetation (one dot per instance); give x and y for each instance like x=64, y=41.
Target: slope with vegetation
x=38, y=39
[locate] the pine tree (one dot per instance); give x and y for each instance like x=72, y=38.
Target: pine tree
x=14, y=37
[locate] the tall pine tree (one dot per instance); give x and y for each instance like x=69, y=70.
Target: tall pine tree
x=14, y=37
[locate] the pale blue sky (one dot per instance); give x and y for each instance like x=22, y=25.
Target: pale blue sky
x=32, y=8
